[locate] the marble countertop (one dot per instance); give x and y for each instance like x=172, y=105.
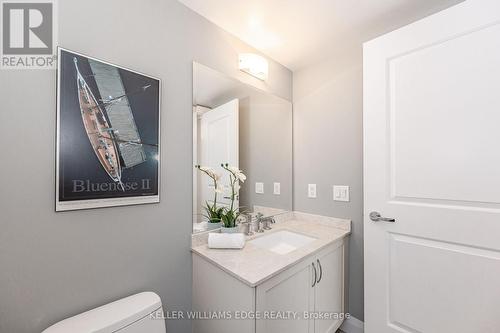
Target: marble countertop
x=254, y=265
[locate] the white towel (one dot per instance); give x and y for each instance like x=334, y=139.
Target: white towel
x=226, y=241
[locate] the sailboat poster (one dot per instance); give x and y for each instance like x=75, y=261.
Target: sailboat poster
x=108, y=134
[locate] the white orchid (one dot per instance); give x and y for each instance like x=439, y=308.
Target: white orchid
x=237, y=173
x=233, y=169
x=241, y=176
x=232, y=213
x=214, y=213
x=210, y=172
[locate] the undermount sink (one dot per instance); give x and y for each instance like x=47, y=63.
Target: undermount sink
x=282, y=242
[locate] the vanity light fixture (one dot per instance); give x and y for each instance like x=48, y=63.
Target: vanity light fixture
x=254, y=65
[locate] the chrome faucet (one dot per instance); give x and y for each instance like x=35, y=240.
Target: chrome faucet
x=248, y=224
x=267, y=222
x=260, y=222
x=264, y=223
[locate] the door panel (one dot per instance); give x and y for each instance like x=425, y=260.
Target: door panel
x=289, y=291
x=432, y=162
x=461, y=277
x=442, y=115
x=219, y=140
x=329, y=295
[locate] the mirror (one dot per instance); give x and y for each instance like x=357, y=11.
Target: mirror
x=249, y=130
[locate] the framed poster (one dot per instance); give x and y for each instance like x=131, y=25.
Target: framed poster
x=108, y=134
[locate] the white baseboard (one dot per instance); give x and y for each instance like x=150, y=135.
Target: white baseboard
x=353, y=325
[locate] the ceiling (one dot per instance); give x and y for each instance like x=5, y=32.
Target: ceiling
x=298, y=33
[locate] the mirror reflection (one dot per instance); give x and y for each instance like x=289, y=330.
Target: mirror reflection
x=242, y=151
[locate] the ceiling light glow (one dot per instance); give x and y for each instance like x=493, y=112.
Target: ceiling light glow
x=254, y=65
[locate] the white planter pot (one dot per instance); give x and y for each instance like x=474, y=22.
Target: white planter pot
x=234, y=230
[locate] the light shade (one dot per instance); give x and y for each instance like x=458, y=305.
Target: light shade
x=254, y=65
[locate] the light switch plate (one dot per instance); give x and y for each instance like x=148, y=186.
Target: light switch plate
x=311, y=190
x=277, y=188
x=259, y=188
x=341, y=193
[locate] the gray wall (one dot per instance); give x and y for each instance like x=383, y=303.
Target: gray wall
x=56, y=265
x=266, y=151
x=328, y=144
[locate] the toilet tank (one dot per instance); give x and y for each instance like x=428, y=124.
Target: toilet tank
x=139, y=313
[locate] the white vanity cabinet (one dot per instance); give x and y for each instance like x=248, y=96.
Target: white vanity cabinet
x=314, y=285
x=329, y=291
x=289, y=291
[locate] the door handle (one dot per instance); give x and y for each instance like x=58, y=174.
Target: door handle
x=315, y=275
x=376, y=217
x=320, y=270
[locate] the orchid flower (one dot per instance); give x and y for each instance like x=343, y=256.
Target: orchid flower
x=236, y=175
x=213, y=213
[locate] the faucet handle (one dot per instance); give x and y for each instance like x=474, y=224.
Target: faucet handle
x=260, y=225
x=267, y=221
x=248, y=227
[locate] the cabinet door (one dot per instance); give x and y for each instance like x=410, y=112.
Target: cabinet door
x=289, y=291
x=329, y=291
x=216, y=291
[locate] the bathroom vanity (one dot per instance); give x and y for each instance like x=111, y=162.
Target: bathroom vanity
x=289, y=279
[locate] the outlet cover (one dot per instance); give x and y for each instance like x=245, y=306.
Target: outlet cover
x=341, y=193
x=259, y=188
x=311, y=190
x=277, y=188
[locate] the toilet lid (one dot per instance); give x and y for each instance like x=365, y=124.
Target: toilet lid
x=110, y=317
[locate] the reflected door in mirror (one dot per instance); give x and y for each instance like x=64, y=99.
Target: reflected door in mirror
x=218, y=143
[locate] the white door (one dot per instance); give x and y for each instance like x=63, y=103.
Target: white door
x=432, y=162
x=329, y=290
x=219, y=141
